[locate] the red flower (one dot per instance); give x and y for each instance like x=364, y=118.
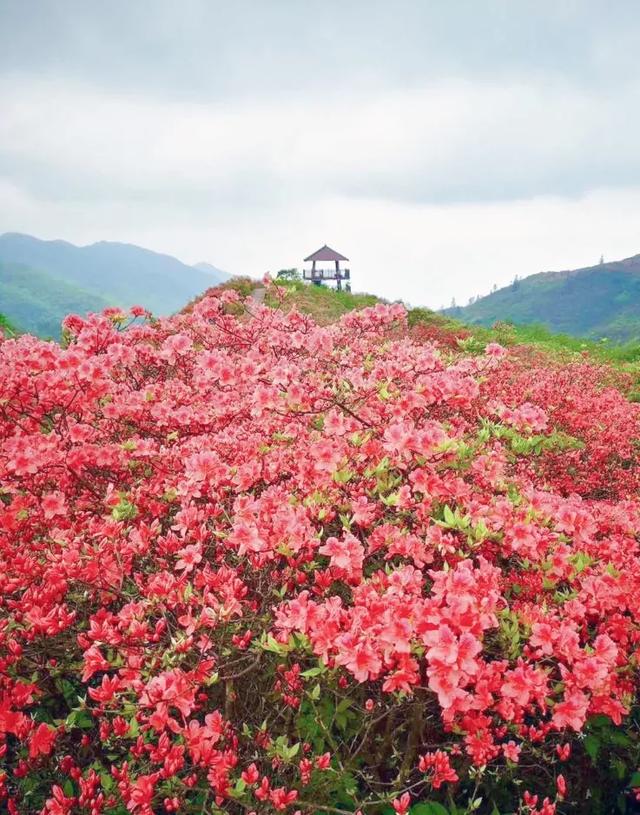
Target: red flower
x=561, y=786
x=42, y=740
x=571, y=712
x=401, y=804
x=141, y=794
x=106, y=690
x=250, y=775
x=281, y=799
x=323, y=762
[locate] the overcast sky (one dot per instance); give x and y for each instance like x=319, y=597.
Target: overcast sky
x=442, y=145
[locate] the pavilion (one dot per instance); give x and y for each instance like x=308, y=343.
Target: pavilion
x=319, y=275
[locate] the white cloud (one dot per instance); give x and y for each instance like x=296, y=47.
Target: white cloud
x=433, y=192
x=449, y=142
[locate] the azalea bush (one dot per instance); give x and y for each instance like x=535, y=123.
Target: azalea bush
x=251, y=564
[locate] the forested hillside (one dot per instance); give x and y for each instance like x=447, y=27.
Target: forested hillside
x=41, y=281
x=36, y=302
x=598, y=301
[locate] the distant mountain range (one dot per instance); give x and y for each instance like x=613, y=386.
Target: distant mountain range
x=594, y=302
x=43, y=281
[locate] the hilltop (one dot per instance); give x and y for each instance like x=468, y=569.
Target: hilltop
x=42, y=281
x=593, y=302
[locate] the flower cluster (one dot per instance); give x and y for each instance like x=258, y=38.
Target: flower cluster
x=255, y=564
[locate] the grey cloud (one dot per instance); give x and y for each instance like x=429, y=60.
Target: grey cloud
x=196, y=125
x=336, y=61
x=447, y=143
x=209, y=49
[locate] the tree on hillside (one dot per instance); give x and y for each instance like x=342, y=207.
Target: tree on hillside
x=6, y=328
x=288, y=274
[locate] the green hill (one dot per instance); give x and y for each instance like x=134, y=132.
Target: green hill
x=36, y=302
x=594, y=302
x=105, y=273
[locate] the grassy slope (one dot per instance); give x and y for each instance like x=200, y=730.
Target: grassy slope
x=325, y=304
x=35, y=302
x=599, y=301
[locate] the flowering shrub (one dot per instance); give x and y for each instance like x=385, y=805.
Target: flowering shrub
x=250, y=564
x=587, y=401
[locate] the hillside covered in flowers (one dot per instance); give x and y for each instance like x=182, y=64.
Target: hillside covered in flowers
x=251, y=564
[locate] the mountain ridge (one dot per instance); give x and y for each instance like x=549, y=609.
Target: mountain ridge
x=106, y=272
x=593, y=302
x=203, y=266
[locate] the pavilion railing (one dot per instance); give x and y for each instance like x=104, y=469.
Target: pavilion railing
x=326, y=274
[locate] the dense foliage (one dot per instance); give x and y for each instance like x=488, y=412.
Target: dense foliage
x=252, y=564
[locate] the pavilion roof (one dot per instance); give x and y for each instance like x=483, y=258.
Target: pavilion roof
x=326, y=253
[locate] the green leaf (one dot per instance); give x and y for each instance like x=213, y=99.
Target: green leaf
x=381, y=467
x=390, y=500
x=342, y=476
x=346, y=521
x=212, y=679
x=124, y=510
x=80, y=718
x=580, y=561
x=592, y=747
x=320, y=669
x=619, y=767
x=383, y=392
x=269, y=643
x=428, y=808
x=619, y=739
x=449, y=517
